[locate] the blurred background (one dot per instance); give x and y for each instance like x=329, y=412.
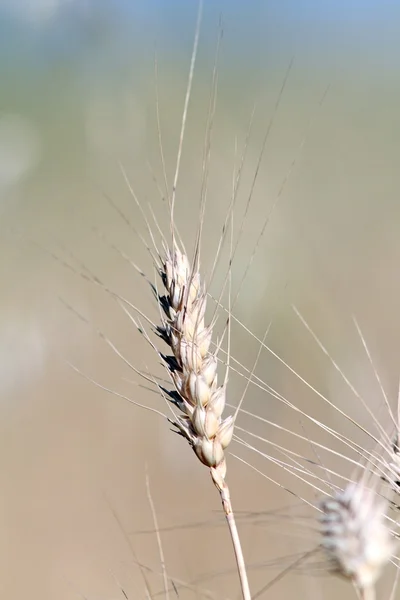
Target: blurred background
x=77, y=101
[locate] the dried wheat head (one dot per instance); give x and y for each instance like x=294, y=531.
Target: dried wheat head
x=192, y=366
x=355, y=535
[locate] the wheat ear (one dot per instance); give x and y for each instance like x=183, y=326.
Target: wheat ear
x=193, y=371
x=355, y=537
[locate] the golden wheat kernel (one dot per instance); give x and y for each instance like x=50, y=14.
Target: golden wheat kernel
x=217, y=401
x=175, y=296
x=209, y=370
x=190, y=355
x=210, y=452
x=204, y=422
x=225, y=431
x=199, y=389
x=188, y=329
x=187, y=407
x=198, y=309
x=204, y=341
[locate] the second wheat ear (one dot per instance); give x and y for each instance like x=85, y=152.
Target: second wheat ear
x=193, y=372
x=355, y=536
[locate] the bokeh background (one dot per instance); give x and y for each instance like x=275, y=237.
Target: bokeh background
x=77, y=100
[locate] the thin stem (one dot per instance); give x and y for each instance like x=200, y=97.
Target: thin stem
x=368, y=593
x=159, y=543
x=223, y=489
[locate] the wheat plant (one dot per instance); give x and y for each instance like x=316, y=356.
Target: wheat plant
x=193, y=371
x=354, y=513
